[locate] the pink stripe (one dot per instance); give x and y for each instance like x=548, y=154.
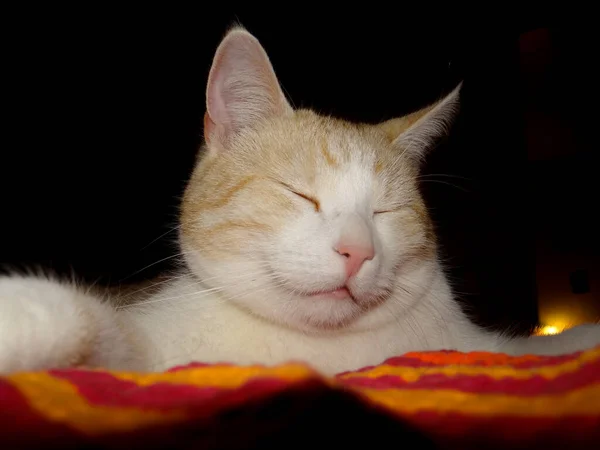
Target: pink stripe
x=101, y=388
x=587, y=375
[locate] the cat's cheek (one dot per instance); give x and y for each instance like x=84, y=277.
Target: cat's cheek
x=369, y=274
x=302, y=253
x=389, y=241
x=403, y=235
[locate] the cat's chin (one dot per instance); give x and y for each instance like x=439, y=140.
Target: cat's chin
x=341, y=293
x=327, y=310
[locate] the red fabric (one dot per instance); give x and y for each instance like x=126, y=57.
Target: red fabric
x=417, y=400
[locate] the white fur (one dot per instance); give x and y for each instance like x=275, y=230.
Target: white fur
x=45, y=323
x=252, y=307
x=42, y=324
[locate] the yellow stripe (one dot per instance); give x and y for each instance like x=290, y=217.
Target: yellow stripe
x=584, y=401
x=222, y=377
x=412, y=374
x=58, y=401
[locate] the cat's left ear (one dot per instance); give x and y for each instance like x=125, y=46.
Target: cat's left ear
x=416, y=133
x=242, y=88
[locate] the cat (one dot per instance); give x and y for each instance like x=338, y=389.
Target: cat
x=304, y=238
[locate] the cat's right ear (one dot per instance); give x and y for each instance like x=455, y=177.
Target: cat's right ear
x=415, y=134
x=242, y=89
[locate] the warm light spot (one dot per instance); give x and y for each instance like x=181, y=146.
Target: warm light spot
x=548, y=330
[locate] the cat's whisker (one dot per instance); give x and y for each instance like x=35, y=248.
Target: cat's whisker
x=195, y=295
x=192, y=295
x=442, y=175
x=446, y=183
x=153, y=264
x=243, y=276
x=176, y=227
x=153, y=285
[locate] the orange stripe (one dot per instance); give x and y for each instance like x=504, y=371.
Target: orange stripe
x=584, y=401
x=444, y=358
x=58, y=400
x=219, y=376
x=412, y=374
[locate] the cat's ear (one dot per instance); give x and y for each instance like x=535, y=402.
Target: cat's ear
x=415, y=133
x=242, y=88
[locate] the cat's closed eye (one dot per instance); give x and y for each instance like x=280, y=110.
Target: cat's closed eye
x=306, y=197
x=378, y=212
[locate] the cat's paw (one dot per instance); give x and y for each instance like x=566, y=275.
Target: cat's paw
x=41, y=325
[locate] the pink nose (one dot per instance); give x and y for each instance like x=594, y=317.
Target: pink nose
x=355, y=256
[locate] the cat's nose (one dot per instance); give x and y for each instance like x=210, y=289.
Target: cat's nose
x=355, y=256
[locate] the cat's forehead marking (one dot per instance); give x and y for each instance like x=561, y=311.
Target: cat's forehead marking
x=348, y=186
x=346, y=144
x=328, y=157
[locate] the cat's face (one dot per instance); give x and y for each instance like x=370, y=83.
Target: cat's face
x=304, y=220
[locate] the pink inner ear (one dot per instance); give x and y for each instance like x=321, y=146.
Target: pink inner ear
x=242, y=88
x=215, y=107
x=209, y=127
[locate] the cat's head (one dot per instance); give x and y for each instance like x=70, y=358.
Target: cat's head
x=306, y=220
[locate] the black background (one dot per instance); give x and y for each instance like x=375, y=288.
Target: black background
x=103, y=117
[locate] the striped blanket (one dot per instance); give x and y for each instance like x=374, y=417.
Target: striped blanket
x=418, y=400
